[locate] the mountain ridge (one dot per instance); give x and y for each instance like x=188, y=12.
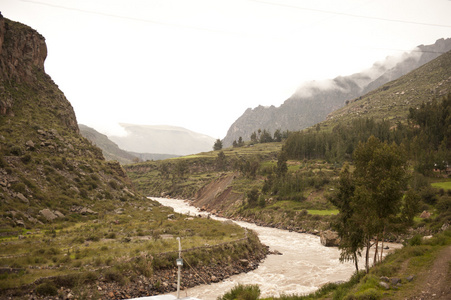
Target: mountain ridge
x=162, y=139
x=313, y=101
x=111, y=150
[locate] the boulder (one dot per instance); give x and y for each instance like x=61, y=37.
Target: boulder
x=127, y=191
x=85, y=211
x=48, y=214
x=29, y=144
x=22, y=198
x=244, y=262
x=384, y=285
x=329, y=238
x=425, y=215
x=59, y=214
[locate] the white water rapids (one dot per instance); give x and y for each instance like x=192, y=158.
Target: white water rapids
x=304, y=266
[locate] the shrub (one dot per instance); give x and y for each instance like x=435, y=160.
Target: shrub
x=46, y=289
x=93, y=238
x=18, y=187
x=95, y=177
x=59, y=165
x=52, y=251
x=416, y=240
x=242, y=292
x=89, y=277
x=3, y=162
x=444, y=204
x=113, y=184
x=369, y=294
x=114, y=276
x=26, y=158
x=83, y=193
x=111, y=235
x=16, y=150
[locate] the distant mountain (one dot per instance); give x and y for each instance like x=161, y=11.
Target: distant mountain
x=313, y=101
x=152, y=156
x=162, y=139
x=111, y=150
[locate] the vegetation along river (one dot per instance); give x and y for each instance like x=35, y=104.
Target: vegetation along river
x=302, y=268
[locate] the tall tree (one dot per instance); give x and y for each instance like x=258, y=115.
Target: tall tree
x=350, y=233
x=381, y=178
x=221, y=161
x=217, y=145
x=370, y=199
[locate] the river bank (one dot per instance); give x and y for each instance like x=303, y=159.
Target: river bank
x=146, y=272
x=161, y=282
x=303, y=267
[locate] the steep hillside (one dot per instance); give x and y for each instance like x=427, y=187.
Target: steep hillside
x=110, y=150
x=162, y=139
x=392, y=100
x=71, y=224
x=313, y=101
x=45, y=164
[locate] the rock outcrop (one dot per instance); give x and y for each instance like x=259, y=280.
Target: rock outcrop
x=329, y=238
x=22, y=55
x=21, y=50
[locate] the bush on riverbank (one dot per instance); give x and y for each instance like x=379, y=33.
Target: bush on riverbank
x=242, y=292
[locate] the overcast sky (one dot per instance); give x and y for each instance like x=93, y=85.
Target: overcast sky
x=200, y=64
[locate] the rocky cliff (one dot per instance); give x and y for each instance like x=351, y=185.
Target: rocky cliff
x=313, y=101
x=48, y=170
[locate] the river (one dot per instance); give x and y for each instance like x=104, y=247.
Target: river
x=302, y=268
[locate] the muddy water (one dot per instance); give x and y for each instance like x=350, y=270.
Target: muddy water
x=302, y=268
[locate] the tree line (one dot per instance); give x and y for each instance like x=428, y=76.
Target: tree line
x=426, y=136
x=259, y=136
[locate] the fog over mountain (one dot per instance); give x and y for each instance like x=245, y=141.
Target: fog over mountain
x=162, y=139
x=313, y=101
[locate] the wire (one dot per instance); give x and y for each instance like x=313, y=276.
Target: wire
x=241, y=33
x=195, y=271
x=127, y=18
x=350, y=15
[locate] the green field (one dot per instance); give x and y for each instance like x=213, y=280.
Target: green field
x=446, y=185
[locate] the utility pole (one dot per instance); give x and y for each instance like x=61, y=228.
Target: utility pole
x=179, y=265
